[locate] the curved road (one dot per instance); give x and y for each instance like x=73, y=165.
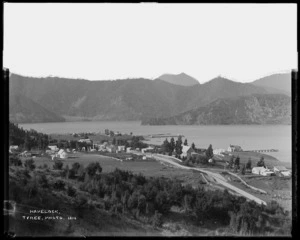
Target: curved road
x=217, y=177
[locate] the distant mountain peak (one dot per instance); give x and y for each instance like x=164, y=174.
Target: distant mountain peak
x=181, y=79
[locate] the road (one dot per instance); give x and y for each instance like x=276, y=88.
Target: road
x=217, y=177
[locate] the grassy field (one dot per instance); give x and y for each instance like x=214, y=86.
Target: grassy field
x=277, y=188
x=255, y=157
x=147, y=168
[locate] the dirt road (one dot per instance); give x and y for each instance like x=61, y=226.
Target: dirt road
x=217, y=177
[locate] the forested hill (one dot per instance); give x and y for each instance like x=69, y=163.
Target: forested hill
x=254, y=109
x=129, y=99
x=24, y=110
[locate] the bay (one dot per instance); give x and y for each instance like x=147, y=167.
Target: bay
x=249, y=137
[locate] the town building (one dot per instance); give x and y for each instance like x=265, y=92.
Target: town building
x=121, y=148
x=234, y=148
x=186, y=151
x=281, y=170
x=148, y=149
x=219, y=151
x=53, y=147
x=262, y=171
x=13, y=148
x=111, y=148
x=62, y=154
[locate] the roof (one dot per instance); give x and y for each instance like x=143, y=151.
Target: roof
x=185, y=148
x=61, y=151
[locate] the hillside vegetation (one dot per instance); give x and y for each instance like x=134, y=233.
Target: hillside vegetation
x=254, y=109
x=130, y=99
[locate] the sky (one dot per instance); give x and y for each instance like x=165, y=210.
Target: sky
x=117, y=41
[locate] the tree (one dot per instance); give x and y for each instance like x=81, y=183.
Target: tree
x=15, y=161
x=157, y=219
x=27, y=143
x=193, y=146
x=243, y=169
x=261, y=162
x=178, y=146
x=93, y=168
x=248, y=165
x=166, y=146
x=209, y=152
x=29, y=164
x=185, y=142
x=172, y=145
x=231, y=162
x=237, y=162
x=71, y=191
x=58, y=165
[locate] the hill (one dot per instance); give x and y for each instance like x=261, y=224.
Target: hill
x=276, y=83
x=254, y=109
x=25, y=110
x=130, y=99
x=181, y=79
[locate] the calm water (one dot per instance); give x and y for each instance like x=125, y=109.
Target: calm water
x=247, y=136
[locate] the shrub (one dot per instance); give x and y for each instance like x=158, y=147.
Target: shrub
x=43, y=181
x=59, y=185
x=157, y=219
x=93, y=168
x=71, y=191
x=29, y=164
x=15, y=161
x=58, y=165
x=45, y=166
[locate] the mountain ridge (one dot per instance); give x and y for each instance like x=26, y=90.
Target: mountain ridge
x=130, y=99
x=181, y=79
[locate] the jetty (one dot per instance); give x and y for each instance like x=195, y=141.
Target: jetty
x=161, y=135
x=262, y=150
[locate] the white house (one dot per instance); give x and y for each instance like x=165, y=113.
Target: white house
x=186, y=150
x=62, y=154
x=257, y=170
x=219, y=151
x=234, y=148
x=148, y=149
x=13, y=148
x=283, y=171
x=262, y=171
x=53, y=147
x=278, y=169
x=111, y=148
x=121, y=148
x=129, y=149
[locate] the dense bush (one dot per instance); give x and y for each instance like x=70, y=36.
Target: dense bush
x=43, y=181
x=29, y=164
x=15, y=161
x=71, y=191
x=59, y=185
x=93, y=168
x=58, y=165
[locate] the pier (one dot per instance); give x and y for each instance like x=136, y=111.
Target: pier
x=263, y=150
